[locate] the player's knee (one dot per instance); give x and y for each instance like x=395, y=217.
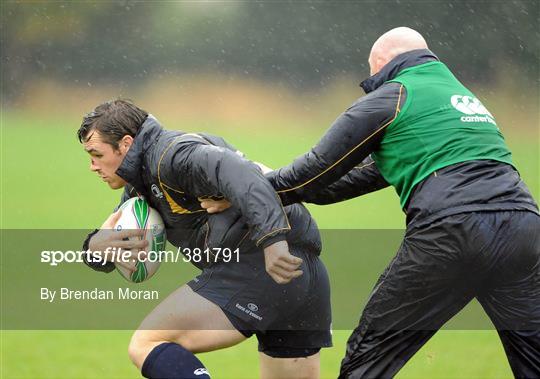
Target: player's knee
x=139, y=348
x=306, y=367
x=187, y=342
x=142, y=342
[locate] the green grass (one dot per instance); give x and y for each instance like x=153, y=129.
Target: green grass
x=103, y=354
x=46, y=184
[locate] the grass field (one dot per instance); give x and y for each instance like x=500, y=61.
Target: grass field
x=46, y=184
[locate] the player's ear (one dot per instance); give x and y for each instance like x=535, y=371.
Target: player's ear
x=380, y=62
x=125, y=143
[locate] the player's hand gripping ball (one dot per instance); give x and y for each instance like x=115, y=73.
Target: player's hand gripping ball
x=137, y=214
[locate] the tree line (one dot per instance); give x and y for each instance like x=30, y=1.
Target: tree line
x=304, y=44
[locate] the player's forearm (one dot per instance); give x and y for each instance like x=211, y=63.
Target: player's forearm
x=352, y=137
x=313, y=171
x=361, y=180
x=344, y=146
x=96, y=263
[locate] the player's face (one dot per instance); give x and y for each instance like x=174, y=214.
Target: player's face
x=105, y=160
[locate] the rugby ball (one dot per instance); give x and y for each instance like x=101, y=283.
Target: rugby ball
x=137, y=214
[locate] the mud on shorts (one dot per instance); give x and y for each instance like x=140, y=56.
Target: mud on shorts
x=291, y=320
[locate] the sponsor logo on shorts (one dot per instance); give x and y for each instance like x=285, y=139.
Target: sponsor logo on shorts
x=253, y=307
x=473, y=108
x=249, y=311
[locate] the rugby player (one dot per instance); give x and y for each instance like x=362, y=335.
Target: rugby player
x=287, y=295
x=473, y=228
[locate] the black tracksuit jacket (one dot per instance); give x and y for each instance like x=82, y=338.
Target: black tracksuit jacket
x=173, y=171
x=339, y=167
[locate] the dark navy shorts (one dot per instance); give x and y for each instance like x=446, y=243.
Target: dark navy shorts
x=291, y=320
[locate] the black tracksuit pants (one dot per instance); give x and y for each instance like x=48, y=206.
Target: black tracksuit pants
x=491, y=256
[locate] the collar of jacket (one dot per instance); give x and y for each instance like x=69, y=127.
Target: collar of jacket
x=399, y=63
x=132, y=166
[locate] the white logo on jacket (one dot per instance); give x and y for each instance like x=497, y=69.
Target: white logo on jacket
x=201, y=371
x=156, y=191
x=472, y=107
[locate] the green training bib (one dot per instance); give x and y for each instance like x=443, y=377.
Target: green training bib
x=441, y=123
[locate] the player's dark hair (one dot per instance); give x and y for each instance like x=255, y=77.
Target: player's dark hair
x=113, y=119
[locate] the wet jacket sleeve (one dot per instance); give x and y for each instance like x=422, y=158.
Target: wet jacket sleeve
x=352, y=137
x=363, y=179
x=95, y=263
x=203, y=169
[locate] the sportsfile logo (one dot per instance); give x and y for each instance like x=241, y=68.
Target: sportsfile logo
x=473, y=108
x=113, y=254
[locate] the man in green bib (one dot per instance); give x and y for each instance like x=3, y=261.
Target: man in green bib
x=473, y=228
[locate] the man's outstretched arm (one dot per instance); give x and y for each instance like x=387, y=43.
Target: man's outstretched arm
x=353, y=136
x=363, y=179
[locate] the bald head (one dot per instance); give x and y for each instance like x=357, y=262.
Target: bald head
x=393, y=43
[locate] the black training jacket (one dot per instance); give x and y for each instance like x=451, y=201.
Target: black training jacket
x=174, y=170
x=339, y=167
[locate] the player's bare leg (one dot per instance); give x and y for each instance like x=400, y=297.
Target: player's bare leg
x=290, y=368
x=186, y=319
x=198, y=325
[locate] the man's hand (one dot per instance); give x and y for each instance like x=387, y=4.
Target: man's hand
x=215, y=206
x=265, y=169
x=281, y=265
x=108, y=238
